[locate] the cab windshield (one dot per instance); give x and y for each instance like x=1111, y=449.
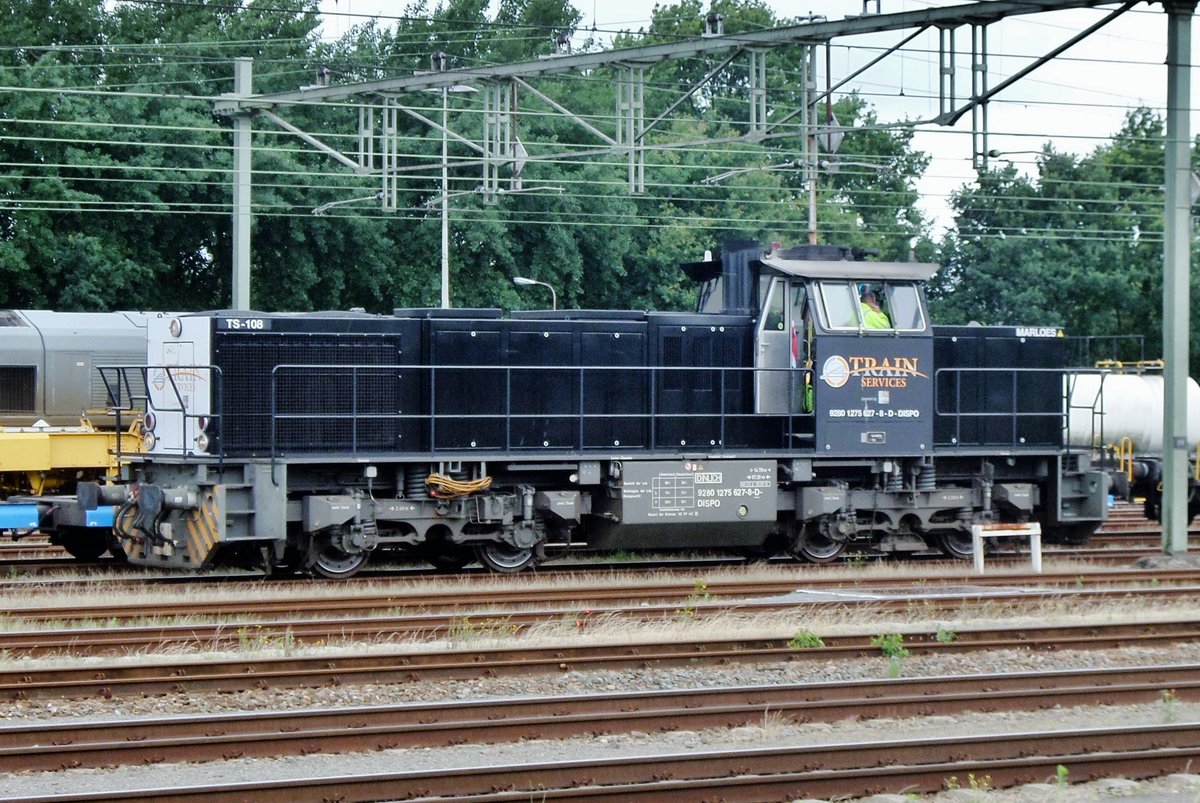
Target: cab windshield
x=870, y=306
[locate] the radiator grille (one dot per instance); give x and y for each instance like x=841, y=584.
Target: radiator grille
x=317, y=409
x=18, y=389
x=100, y=392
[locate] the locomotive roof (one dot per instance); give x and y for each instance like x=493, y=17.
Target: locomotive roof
x=849, y=269
x=51, y=321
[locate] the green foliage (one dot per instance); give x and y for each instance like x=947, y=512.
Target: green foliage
x=125, y=200
x=1077, y=245
x=122, y=198
x=699, y=594
x=1060, y=775
x=1170, y=705
x=805, y=640
x=257, y=638
x=944, y=636
x=891, y=645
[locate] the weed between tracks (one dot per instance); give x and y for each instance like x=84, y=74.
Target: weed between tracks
x=495, y=629
x=91, y=588
x=700, y=616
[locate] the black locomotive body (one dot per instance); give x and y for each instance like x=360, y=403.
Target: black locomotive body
x=772, y=419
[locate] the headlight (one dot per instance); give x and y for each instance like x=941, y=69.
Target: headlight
x=202, y=442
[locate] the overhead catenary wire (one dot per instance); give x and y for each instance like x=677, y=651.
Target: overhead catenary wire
x=658, y=189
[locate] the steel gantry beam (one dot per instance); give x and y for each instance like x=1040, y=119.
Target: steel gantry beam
x=809, y=32
x=379, y=103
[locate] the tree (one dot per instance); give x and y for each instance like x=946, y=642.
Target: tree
x=124, y=197
x=1078, y=245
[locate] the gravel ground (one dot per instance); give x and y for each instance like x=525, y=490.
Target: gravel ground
x=771, y=733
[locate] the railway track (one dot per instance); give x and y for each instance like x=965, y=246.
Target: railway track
x=588, y=606
x=818, y=771
x=56, y=566
x=1127, y=536
x=394, y=666
x=52, y=746
x=658, y=584
x=744, y=774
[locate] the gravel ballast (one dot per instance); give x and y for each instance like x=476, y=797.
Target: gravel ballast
x=772, y=733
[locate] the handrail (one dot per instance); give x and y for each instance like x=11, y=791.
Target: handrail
x=1125, y=457
x=169, y=380
x=955, y=373
x=649, y=380
x=726, y=400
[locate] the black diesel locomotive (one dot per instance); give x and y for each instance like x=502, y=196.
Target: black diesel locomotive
x=774, y=418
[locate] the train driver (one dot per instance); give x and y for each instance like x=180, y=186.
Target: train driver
x=873, y=316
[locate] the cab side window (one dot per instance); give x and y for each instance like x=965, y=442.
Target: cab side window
x=773, y=319
x=839, y=305
x=843, y=305
x=904, y=306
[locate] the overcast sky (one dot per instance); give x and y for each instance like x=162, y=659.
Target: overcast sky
x=1077, y=101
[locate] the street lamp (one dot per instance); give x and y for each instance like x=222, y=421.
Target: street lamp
x=521, y=281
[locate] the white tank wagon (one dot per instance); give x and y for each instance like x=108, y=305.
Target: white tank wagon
x=1120, y=413
x=1107, y=407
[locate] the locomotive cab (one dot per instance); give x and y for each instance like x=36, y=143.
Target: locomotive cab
x=842, y=345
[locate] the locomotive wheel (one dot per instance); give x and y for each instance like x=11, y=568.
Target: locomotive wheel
x=335, y=564
x=505, y=558
x=815, y=546
x=956, y=545
x=84, y=543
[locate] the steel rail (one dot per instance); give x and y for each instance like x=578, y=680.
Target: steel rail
x=855, y=769
x=51, y=746
x=534, y=592
x=53, y=562
x=131, y=639
x=205, y=674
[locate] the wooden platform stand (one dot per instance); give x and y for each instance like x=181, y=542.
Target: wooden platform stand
x=1032, y=530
